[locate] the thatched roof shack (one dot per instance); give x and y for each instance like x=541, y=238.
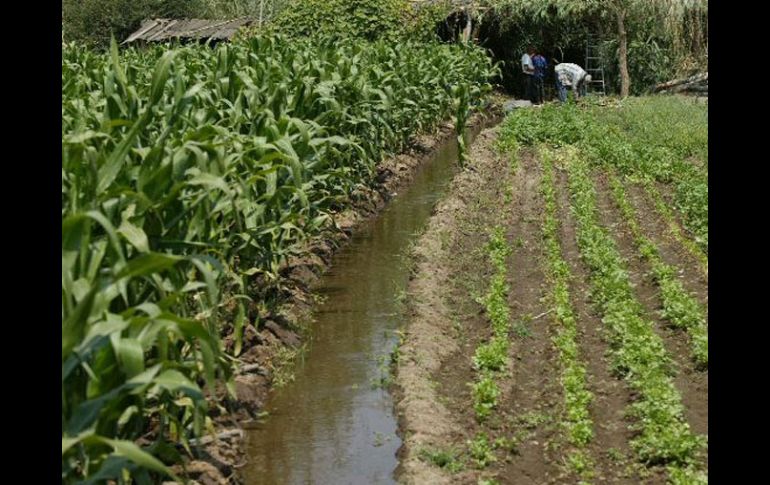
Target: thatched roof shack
x=198, y=30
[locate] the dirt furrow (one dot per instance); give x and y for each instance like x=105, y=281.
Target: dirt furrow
x=533, y=396
x=610, y=445
x=445, y=323
x=692, y=384
x=673, y=253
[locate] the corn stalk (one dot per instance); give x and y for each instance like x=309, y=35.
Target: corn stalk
x=190, y=177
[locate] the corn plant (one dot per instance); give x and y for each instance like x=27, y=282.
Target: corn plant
x=190, y=176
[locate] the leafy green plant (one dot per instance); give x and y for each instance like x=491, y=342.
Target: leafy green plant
x=652, y=138
x=492, y=358
x=481, y=450
x=664, y=434
x=485, y=394
x=687, y=476
x=190, y=178
x=679, y=306
x=448, y=459
x=580, y=464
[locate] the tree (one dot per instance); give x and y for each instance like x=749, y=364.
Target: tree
x=670, y=14
x=95, y=21
x=620, y=10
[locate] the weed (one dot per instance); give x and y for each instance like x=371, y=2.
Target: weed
x=481, y=450
x=508, y=195
x=522, y=330
x=283, y=365
x=510, y=445
x=615, y=454
x=488, y=481
x=533, y=419
x=443, y=458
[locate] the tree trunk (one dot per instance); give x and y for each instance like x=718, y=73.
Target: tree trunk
x=468, y=27
x=625, y=80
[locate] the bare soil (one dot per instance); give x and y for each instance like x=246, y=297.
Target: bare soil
x=609, y=447
x=446, y=324
x=692, y=384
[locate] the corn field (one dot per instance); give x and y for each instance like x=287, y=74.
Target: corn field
x=189, y=176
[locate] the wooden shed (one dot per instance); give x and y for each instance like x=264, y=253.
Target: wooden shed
x=187, y=30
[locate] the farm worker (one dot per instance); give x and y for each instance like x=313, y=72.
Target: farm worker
x=541, y=65
x=568, y=74
x=529, y=73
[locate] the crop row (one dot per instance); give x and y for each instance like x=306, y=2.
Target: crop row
x=189, y=177
x=679, y=306
x=491, y=358
x=577, y=397
x=673, y=226
x=638, y=353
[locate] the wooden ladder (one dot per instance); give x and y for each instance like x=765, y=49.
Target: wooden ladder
x=595, y=69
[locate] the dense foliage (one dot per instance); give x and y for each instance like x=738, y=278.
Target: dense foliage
x=189, y=176
x=664, y=38
x=94, y=21
x=366, y=19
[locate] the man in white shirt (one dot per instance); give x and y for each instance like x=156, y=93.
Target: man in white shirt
x=529, y=71
x=571, y=75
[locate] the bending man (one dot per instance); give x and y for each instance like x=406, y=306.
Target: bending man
x=571, y=75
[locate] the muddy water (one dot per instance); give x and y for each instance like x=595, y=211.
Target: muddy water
x=335, y=423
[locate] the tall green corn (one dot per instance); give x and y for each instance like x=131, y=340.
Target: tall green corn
x=189, y=178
